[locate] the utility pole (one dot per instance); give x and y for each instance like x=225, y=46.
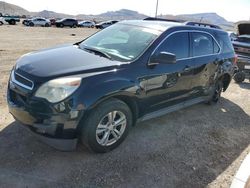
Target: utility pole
x=201, y=19
x=156, y=11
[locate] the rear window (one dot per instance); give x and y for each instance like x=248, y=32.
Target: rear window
x=225, y=43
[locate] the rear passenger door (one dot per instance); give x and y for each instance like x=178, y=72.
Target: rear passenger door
x=205, y=52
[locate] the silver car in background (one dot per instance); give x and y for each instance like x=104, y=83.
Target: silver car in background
x=88, y=24
x=39, y=22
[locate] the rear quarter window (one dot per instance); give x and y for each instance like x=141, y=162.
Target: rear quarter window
x=225, y=43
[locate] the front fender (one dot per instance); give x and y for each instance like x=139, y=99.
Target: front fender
x=93, y=94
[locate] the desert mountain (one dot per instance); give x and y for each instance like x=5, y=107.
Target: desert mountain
x=7, y=8
x=123, y=14
x=206, y=17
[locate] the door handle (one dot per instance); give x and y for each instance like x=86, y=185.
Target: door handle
x=187, y=68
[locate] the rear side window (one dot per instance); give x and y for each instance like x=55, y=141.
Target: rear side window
x=177, y=44
x=225, y=43
x=202, y=44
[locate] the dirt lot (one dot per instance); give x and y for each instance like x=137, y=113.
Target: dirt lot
x=201, y=146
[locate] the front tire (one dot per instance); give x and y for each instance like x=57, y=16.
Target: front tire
x=31, y=24
x=106, y=126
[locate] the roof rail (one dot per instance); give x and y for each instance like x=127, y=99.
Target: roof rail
x=162, y=19
x=203, y=25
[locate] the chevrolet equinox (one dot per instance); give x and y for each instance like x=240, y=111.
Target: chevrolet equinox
x=95, y=90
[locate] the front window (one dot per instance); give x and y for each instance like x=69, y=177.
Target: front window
x=177, y=44
x=122, y=42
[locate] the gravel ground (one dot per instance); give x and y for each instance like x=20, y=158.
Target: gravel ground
x=201, y=146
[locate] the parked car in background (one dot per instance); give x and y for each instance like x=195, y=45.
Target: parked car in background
x=103, y=25
x=67, y=22
x=242, y=48
x=97, y=89
x=11, y=20
x=38, y=22
x=26, y=21
x=88, y=24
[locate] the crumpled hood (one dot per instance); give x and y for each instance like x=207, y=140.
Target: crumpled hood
x=243, y=28
x=64, y=60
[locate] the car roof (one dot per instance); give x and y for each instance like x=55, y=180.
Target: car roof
x=157, y=25
x=165, y=25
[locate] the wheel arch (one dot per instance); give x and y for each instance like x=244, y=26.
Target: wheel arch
x=125, y=97
x=132, y=104
x=129, y=100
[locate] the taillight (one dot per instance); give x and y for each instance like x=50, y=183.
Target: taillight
x=235, y=59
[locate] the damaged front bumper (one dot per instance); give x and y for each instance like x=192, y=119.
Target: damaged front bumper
x=56, y=125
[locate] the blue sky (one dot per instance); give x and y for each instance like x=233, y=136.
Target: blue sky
x=232, y=10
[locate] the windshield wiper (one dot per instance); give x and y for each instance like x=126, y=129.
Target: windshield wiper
x=97, y=51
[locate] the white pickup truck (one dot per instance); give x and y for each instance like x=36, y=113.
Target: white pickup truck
x=2, y=21
x=11, y=20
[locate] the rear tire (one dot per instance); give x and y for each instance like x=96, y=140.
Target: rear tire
x=217, y=90
x=46, y=25
x=1, y=23
x=239, y=77
x=106, y=126
x=12, y=22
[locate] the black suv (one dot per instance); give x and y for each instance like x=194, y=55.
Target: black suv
x=242, y=49
x=106, y=24
x=97, y=89
x=66, y=22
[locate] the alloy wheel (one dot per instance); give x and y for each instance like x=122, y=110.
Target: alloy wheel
x=111, y=128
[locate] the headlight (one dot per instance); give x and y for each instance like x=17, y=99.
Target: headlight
x=58, y=89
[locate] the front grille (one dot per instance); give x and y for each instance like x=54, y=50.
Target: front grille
x=22, y=81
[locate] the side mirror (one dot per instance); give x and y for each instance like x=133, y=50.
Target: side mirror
x=162, y=58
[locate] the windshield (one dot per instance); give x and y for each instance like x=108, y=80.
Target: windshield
x=122, y=42
x=61, y=20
